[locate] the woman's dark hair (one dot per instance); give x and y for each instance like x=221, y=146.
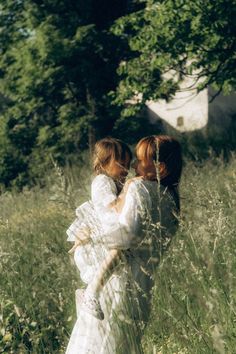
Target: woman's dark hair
x=167, y=151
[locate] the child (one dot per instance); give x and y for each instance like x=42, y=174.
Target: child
x=111, y=163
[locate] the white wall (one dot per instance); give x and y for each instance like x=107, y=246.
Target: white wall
x=187, y=111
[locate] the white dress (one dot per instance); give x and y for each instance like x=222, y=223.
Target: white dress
x=145, y=226
x=96, y=215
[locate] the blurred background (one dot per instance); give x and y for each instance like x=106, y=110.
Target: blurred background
x=72, y=72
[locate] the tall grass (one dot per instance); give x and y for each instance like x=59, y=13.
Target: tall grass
x=194, y=305
x=37, y=279
x=194, y=297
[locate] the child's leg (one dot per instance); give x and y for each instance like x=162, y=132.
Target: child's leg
x=105, y=269
x=91, y=303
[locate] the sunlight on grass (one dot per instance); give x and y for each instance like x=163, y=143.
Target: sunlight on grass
x=194, y=297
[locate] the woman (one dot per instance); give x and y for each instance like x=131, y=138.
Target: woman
x=146, y=224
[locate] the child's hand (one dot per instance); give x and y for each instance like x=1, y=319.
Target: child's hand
x=82, y=238
x=84, y=234
x=76, y=244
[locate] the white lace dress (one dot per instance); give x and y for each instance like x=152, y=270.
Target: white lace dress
x=125, y=298
x=100, y=219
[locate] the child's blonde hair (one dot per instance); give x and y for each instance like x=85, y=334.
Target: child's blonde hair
x=109, y=149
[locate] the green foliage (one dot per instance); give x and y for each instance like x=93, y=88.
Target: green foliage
x=58, y=66
x=68, y=70
x=194, y=298
x=188, y=38
x=135, y=125
x=37, y=281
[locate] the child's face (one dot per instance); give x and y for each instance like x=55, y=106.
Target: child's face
x=118, y=170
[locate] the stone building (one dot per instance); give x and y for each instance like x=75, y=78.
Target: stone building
x=190, y=111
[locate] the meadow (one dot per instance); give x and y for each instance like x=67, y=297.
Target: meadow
x=193, y=309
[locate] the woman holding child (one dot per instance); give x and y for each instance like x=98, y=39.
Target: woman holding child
x=121, y=241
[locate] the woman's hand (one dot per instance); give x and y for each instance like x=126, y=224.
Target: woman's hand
x=118, y=204
x=127, y=183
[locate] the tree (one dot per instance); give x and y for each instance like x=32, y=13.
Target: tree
x=57, y=68
x=172, y=39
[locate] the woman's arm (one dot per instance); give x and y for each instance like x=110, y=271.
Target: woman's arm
x=119, y=202
x=126, y=232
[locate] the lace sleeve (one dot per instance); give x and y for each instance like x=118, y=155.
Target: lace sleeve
x=103, y=190
x=128, y=230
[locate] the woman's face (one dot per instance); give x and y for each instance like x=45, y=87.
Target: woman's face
x=143, y=167
x=118, y=170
